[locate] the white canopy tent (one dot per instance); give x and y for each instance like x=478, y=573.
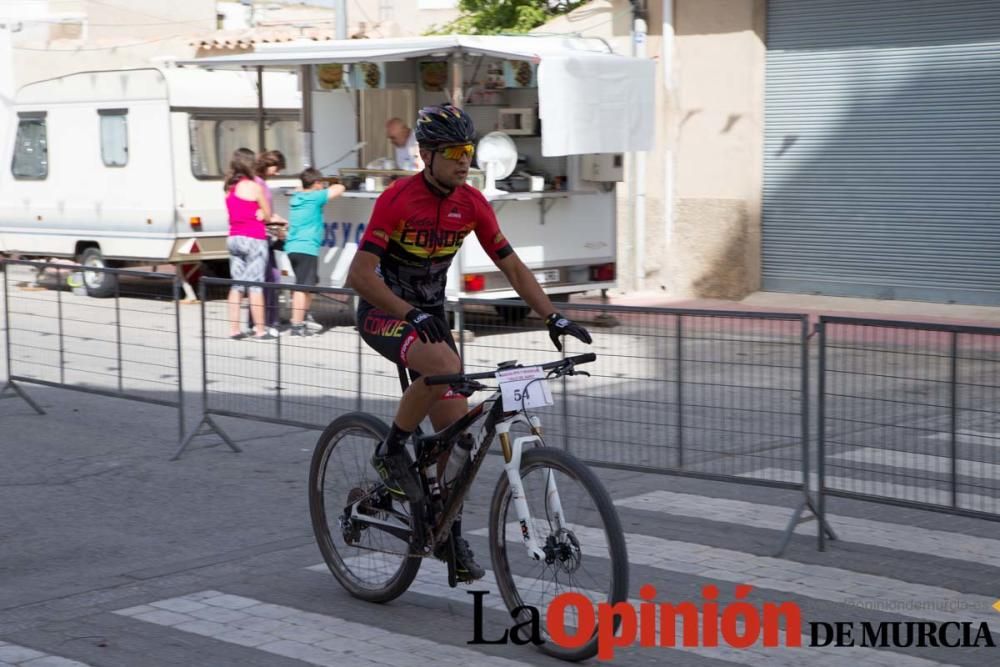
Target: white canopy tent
x=594, y=101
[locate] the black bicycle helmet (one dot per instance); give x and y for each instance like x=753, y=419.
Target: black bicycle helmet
x=442, y=124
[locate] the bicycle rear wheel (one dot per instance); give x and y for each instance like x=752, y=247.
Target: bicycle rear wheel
x=371, y=563
x=586, y=548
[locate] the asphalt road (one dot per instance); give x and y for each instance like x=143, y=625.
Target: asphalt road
x=112, y=554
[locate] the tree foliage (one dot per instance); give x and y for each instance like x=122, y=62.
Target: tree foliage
x=490, y=17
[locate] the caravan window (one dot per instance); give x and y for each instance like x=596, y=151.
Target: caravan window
x=114, y=137
x=31, y=152
x=214, y=138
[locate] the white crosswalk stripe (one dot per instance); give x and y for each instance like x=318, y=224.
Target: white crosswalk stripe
x=432, y=580
x=941, y=543
x=921, y=494
x=819, y=582
x=923, y=462
x=318, y=639
x=22, y=656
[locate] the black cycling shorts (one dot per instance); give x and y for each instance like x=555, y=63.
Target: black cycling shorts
x=304, y=267
x=390, y=336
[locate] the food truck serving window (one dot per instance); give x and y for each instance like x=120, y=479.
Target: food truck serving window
x=214, y=138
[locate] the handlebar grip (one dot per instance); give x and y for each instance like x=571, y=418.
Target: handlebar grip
x=445, y=379
x=583, y=358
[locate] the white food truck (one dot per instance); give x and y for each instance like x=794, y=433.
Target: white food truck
x=124, y=167
x=570, y=107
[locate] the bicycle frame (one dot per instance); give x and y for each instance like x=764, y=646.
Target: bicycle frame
x=497, y=425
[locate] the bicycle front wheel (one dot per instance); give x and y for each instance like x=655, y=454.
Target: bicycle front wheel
x=356, y=521
x=575, y=523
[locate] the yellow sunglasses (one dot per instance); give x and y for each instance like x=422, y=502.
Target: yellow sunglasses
x=458, y=152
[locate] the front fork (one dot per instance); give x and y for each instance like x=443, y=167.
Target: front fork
x=512, y=465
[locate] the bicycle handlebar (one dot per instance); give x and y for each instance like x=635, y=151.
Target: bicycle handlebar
x=459, y=378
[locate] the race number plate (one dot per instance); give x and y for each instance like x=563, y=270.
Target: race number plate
x=524, y=388
x=547, y=276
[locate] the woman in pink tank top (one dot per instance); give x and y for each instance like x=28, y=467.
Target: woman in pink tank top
x=247, y=244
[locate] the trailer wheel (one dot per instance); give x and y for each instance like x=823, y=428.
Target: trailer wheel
x=99, y=284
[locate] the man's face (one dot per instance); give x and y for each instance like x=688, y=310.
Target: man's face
x=450, y=164
x=397, y=134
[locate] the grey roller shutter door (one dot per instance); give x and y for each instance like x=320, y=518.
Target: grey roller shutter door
x=882, y=149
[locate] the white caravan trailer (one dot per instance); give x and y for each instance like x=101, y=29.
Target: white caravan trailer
x=124, y=167
x=570, y=107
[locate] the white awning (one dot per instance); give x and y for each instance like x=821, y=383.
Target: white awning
x=590, y=100
x=309, y=52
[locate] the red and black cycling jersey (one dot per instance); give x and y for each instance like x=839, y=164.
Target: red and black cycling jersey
x=415, y=229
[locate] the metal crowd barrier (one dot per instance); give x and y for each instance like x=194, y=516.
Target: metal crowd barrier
x=908, y=414
x=720, y=395
x=125, y=346
x=303, y=382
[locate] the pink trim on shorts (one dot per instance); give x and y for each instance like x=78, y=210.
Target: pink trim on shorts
x=405, y=346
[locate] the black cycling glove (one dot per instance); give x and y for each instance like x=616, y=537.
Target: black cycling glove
x=560, y=326
x=430, y=329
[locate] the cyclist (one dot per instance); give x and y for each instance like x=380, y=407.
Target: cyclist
x=400, y=270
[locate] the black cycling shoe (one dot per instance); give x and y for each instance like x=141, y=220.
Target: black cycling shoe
x=396, y=472
x=466, y=568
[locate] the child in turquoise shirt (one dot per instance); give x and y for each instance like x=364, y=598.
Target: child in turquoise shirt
x=305, y=237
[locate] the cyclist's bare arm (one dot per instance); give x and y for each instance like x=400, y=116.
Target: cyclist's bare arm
x=364, y=280
x=523, y=281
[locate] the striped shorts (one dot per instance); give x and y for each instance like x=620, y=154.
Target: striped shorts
x=247, y=261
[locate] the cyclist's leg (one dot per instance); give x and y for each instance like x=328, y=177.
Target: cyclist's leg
x=445, y=412
x=421, y=400
x=397, y=341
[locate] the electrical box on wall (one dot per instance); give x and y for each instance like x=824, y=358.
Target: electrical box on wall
x=607, y=167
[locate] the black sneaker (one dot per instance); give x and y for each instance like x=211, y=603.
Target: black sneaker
x=466, y=568
x=396, y=472
x=301, y=330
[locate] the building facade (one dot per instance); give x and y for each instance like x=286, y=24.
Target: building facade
x=819, y=146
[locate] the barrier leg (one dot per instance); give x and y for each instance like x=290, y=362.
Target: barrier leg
x=797, y=518
x=206, y=426
x=19, y=392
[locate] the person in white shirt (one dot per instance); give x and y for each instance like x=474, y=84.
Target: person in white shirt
x=405, y=142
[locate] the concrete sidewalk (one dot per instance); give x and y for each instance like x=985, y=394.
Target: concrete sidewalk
x=815, y=305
